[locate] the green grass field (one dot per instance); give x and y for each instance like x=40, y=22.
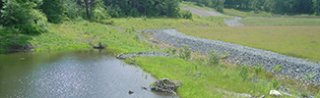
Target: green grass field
x=298, y=39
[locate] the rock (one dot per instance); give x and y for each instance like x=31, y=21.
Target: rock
x=244, y=95
x=130, y=92
x=274, y=93
x=144, y=88
x=141, y=54
x=99, y=46
x=165, y=86
x=262, y=96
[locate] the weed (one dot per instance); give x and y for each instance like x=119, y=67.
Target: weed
x=310, y=75
x=185, y=53
x=318, y=95
x=214, y=58
x=276, y=84
x=171, y=50
x=258, y=70
x=244, y=72
x=131, y=61
x=277, y=68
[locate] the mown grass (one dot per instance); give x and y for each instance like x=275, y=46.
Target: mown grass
x=281, y=21
x=298, y=41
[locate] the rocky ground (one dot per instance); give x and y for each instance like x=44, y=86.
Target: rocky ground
x=296, y=68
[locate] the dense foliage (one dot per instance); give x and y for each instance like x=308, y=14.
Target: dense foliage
x=122, y=8
x=23, y=16
x=217, y=4
x=276, y=6
x=53, y=9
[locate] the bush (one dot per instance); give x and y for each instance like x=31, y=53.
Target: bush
x=214, y=59
x=244, y=72
x=72, y=9
x=185, y=53
x=100, y=12
x=186, y=14
x=54, y=10
x=23, y=16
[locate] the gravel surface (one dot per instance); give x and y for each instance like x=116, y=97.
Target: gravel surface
x=202, y=12
x=306, y=71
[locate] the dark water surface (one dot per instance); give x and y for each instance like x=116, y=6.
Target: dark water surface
x=71, y=75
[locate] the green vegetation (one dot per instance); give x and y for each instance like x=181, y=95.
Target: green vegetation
x=23, y=23
x=78, y=35
x=201, y=81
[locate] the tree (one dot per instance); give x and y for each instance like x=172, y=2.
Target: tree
x=1, y=7
x=71, y=9
x=22, y=15
x=88, y=5
x=124, y=8
x=316, y=7
x=54, y=10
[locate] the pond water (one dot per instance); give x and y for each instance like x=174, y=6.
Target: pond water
x=72, y=75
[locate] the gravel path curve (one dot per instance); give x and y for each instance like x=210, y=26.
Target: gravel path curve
x=297, y=68
x=201, y=12
x=234, y=22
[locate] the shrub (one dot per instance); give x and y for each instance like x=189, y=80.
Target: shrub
x=186, y=14
x=214, y=59
x=72, y=9
x=54, y=10
x=23, y=16
x=244, y=72
x=277, y=68
x=100, y=12
x=185, y=53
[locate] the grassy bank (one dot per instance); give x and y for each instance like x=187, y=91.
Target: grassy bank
x=201, y=80
x=79, y=35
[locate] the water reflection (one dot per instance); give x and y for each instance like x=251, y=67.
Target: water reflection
x=71, y=75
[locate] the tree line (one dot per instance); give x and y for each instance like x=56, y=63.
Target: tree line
x=277, y=6
x=273, y=6
x=31, y=16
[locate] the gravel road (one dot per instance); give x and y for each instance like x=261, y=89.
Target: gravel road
x=202, y=12
x=306, y=71
x=234, y=22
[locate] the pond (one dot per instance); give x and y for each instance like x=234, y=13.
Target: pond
x=72, y=75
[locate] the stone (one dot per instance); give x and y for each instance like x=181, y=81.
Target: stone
x=130, y=92
x=274, y=93
x=165, y=86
